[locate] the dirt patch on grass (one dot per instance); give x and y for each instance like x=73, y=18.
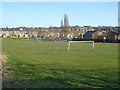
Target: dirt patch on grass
x=3, y=58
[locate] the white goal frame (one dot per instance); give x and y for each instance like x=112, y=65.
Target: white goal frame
x=93, y=45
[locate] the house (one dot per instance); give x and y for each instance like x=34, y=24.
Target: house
x=112, y=35
x=119, y=37
x=89, y=35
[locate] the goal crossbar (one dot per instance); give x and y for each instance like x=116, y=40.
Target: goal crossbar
x=80, y=42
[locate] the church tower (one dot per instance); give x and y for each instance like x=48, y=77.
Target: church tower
x=66, y=22
x=61, y=23
x=65, y=28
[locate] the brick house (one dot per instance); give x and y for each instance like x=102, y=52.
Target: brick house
x=89, y=35
x=113, y=36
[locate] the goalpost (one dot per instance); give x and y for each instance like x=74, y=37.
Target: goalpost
x=80, y=42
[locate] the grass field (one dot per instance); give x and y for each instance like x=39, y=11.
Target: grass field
x=48, y=64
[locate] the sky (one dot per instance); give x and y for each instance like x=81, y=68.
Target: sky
x=46, y=14
x=119, y=14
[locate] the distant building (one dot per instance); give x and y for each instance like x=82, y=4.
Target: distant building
x=65, y=29
x=113, y=36
x=89, y=35
x=66, y=22
x=18, y=32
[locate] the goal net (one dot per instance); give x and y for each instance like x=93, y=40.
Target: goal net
x=92, y=46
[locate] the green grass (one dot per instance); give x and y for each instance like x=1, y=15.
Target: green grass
x=48, y=64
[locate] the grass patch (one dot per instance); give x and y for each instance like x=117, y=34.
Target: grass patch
x=44, y=64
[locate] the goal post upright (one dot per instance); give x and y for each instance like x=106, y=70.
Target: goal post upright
x=93, y=45
x=68, y=45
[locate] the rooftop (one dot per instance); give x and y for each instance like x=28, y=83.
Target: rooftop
x=89, y=32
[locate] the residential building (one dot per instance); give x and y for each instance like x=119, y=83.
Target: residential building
x=89, y=35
